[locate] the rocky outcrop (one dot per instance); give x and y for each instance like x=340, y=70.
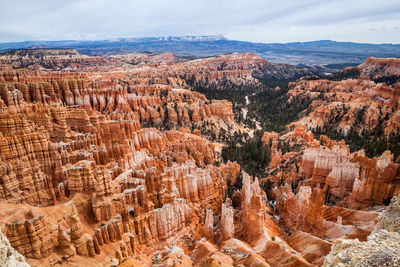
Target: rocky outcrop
x=311, y=248
x=225, y=71
x=382, y=246
x=227, y=226
x=353, y=106
x=317, y=163
x=358, y=180
x=253, y=208
x=301, y=211
x=31, y=238
x=380, y=250
x=108, y=163
x=377, y=181
x=70, y=138
x=381, y=69
x=64, y=243
x=238, y=71
x=209, y=224
x=274, y=72
x=388, y=220
x=316, y=192
x=8, y=256
x=52, y=59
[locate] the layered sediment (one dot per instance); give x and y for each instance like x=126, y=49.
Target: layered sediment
x=111, y=160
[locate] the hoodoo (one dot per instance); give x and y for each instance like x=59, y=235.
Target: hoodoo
x=122, y=160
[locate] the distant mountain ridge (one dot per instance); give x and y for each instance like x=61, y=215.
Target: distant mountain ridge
x=317, y=53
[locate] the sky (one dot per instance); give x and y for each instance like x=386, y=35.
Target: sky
x=367, y=21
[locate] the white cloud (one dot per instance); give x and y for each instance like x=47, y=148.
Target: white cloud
x=253, y=20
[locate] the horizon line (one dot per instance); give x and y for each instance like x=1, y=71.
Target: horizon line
x=220, y=36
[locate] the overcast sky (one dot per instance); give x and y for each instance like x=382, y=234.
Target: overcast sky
x=374, y=21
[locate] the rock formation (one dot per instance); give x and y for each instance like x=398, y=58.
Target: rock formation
x=31, y=238
x=209, y=223
x=380, y=69
x=227, y=227
x=53, y=59
x=8, y=256
x=381, y=249
x=358, y=180
x=111, y=160
x=80, y=149
x=353, y=105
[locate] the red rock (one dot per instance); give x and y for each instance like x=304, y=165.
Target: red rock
x=76, y=146
x=31, y=238
x=227, y=227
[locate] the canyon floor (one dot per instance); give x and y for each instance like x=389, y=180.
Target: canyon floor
x=156, y=160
